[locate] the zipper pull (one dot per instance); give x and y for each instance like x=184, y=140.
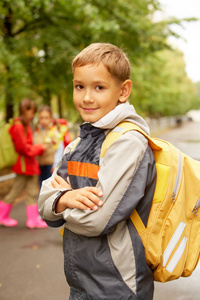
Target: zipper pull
x=195, y=209
x=173, y=197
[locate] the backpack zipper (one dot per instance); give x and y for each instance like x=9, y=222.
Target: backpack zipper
x=178, y=177
x=195, y=209
x=177, y=183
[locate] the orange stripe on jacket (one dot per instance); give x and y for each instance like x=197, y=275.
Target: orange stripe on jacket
x=82, y=169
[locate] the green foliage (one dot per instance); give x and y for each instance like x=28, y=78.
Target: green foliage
x=197, y=87
x=162, y=87
x=39, y=38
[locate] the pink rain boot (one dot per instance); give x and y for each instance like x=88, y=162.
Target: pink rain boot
x=33, y=218
x=5, y=219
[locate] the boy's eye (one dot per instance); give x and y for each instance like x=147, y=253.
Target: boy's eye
x=79, y=87
x=99, y=87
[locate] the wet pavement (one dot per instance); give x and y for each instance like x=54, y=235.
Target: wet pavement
x=31, y=261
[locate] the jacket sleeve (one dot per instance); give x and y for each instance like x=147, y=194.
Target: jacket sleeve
x=21, y=145
x=48, y=196
x=120, y=163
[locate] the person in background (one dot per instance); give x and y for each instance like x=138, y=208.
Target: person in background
x=26, y=169
x=52, y=133
x=43, y=134
x=63, y=129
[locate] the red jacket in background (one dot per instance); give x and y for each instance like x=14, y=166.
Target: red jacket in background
x=23, y=140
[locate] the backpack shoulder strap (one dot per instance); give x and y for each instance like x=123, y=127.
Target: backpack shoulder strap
x=112, y=136
x=120, y=129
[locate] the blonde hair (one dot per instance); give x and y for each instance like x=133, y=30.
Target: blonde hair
x=113, y=58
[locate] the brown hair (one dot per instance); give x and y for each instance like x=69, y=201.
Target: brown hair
x=27, y=104
x=113, y=58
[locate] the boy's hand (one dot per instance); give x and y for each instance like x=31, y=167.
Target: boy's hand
x=59, y=182
x=86, y=198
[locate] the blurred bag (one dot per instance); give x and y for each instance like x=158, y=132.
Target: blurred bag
x=63, y=128
x=172, y=236
x=8, y=155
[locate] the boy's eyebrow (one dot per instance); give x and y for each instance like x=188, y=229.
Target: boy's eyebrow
x=74, y=81
x=94, y=82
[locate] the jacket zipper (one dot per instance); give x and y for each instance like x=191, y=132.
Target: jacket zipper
x=178, y=177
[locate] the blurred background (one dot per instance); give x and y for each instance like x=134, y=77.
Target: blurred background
x=40, y=38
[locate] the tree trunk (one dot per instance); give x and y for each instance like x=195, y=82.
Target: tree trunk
x=9, y=101
x=47, y=98
x=60, y=107
x=9, y=111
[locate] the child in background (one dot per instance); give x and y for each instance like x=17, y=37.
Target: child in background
x=42, y=135
x=64, y=134
x=52, y=134
x=26, y=169
x=103, y=254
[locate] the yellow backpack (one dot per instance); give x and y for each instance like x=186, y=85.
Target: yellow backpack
x=172, y=236
x=8, y=155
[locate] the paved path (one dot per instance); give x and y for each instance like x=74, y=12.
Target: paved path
x=31, y=261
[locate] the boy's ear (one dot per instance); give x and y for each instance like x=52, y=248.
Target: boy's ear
x=126, y=88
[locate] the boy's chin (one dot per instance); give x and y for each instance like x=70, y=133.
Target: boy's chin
x=90, y=120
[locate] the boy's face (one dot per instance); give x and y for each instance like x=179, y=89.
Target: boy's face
x=96, y=92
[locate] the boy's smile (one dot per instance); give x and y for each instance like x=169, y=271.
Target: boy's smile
x=96, y=92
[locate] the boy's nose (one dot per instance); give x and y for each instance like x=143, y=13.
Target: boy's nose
x=88, y=97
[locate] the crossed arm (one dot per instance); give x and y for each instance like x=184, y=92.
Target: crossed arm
x=87, y=198
x=75, y=207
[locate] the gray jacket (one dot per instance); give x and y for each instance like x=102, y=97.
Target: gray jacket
x=103, y=254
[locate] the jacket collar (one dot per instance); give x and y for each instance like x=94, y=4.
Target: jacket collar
x=88, y=129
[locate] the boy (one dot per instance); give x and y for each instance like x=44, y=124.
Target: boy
x=103, y=254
